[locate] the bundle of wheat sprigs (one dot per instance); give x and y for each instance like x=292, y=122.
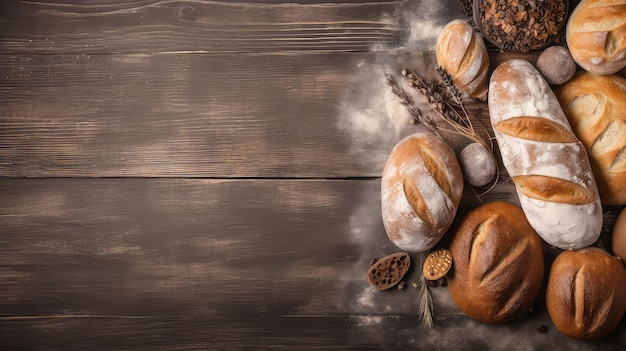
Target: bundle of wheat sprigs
x=424, y=299
x=446, y=100
x=406, y=100
x=442, y=96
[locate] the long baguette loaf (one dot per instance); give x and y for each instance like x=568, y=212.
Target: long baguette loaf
x=421, y=188
x=548, y=164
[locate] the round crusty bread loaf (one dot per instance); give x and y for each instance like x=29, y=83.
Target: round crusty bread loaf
x=498, y=263
x=463, y=54
x=421, y=187
x=585, y=293
x=594, y=106
x=596, y=35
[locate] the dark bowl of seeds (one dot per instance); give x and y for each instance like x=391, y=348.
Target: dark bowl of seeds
x=520, y=25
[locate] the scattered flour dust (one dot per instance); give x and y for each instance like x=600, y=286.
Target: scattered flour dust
x=369, y=113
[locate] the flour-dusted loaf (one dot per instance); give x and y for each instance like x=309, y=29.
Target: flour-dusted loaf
x=596, y=109
x=596, y=35
x=498, y=263
x=548, y=164
x=463, y=54
x=421, y=187
x=585, y=294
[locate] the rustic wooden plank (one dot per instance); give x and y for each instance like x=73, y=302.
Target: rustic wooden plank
x=268, y=332
x=171, y=115
x=316, y=115
x=229, y=264
x=194, y=247
x=150, y=26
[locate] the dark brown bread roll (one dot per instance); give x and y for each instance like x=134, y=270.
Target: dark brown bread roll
x=498, y=263
x=585, y=296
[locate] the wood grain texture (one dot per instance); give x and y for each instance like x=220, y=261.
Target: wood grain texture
x=218, y=264
x=266, y=332
x=315, y=115
x=172, y=177
x=154, y=26
x=137, y=247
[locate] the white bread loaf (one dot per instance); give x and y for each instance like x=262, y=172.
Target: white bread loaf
x=596, y=35
x=463, y=54
x=596, y=109
x=549, y=166
x=421, y=188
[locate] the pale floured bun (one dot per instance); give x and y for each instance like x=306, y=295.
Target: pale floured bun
x=596, y=108
x=596, y=35
x=421, y=188
x=498, y=263
x=463, y=54
x=585, y=293
x=548, y=164
x=556, y=65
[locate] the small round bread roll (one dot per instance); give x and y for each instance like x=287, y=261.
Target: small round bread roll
x=498, y=263
x=478, y=164
x=463, y=54
x=594, y=106
x=585, y=293
x=556, y=65
x=596, y=35
x=421, y=188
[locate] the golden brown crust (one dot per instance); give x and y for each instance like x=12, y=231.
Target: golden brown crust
x=498, y=263
x=542, y=154
x=594, y=106
x=463, y=54
x=553, y=190
x=421, y=188
x=585, y=293
x=596, y=35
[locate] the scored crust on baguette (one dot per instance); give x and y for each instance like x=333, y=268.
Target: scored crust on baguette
x=536, y=128
x=596, y=35
x=421, y=188
x=548, y=164
x=594, y=106
x=553, y=189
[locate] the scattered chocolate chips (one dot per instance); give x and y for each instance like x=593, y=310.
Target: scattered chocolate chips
x=374, y=260
x=520, y=25
x=389, y=270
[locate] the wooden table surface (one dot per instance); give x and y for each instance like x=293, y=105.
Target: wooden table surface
x=204, y=175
